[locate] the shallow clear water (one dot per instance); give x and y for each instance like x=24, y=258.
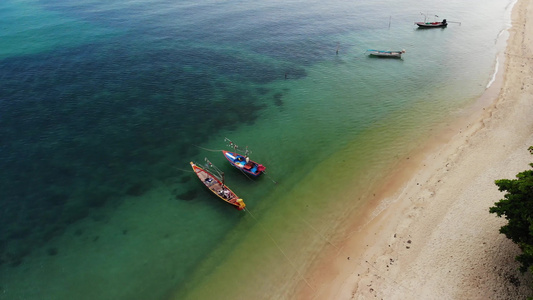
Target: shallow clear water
x=103, y=104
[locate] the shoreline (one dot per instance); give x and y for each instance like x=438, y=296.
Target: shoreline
x=428, y=234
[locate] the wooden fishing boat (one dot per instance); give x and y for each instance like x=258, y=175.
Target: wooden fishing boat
x=217, y=186
x=432, y=24
x=383, y=53
x=243, y=162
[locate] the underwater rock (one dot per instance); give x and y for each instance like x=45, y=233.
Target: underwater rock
x=15, y=262
x=52, y=251
x=52, y=231
x=188, y=195
x=20, y=233
x=262, y=90
x=96, y=200
x=57, y=199
x=296, y=73
x=138, y=189
x=277, y=99
x=72, y=214
x=14, y=259
x=185, y=179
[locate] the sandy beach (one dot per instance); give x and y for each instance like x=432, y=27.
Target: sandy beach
x=429, y=234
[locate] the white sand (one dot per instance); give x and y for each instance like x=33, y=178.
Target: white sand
x=433, y=237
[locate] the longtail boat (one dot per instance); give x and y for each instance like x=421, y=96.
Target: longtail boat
x=243, y=162
x=217, y=186
x=432, y=24
x=383, y=53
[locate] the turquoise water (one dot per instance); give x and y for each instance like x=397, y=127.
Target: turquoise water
x=103, y=104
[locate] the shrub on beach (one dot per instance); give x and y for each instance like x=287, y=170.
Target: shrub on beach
x=517, y=208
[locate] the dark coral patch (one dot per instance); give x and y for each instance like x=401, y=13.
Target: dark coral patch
x=185, y=179
x=52, y=251
x=277, y=99
x=138, y=189
x=188, y=195
x=57, y=199
x=262, y=90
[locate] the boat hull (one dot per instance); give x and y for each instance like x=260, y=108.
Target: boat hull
x=217, y=187
x=386, y=54
x=239, y=161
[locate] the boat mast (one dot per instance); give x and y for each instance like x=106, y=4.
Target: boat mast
x=231, y=144
x=220, y=174
x=425, y=16
x=236, y=148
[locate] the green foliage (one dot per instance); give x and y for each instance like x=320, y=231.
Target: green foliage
x=517, y=208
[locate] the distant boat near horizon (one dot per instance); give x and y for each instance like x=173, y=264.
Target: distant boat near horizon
x=424, y=24
x=386, y=53
x=435, y=24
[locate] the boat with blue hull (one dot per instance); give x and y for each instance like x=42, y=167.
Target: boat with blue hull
x=242, y=161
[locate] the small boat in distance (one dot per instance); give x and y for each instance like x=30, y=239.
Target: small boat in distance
x=383, y=53
x=428, y=24
x=216, y=185
x=432, y=24
x=243, y=162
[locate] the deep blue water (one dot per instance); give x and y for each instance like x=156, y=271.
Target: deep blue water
x=82, y=126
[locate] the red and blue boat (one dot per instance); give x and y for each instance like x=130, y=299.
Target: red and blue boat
x=243, y=162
